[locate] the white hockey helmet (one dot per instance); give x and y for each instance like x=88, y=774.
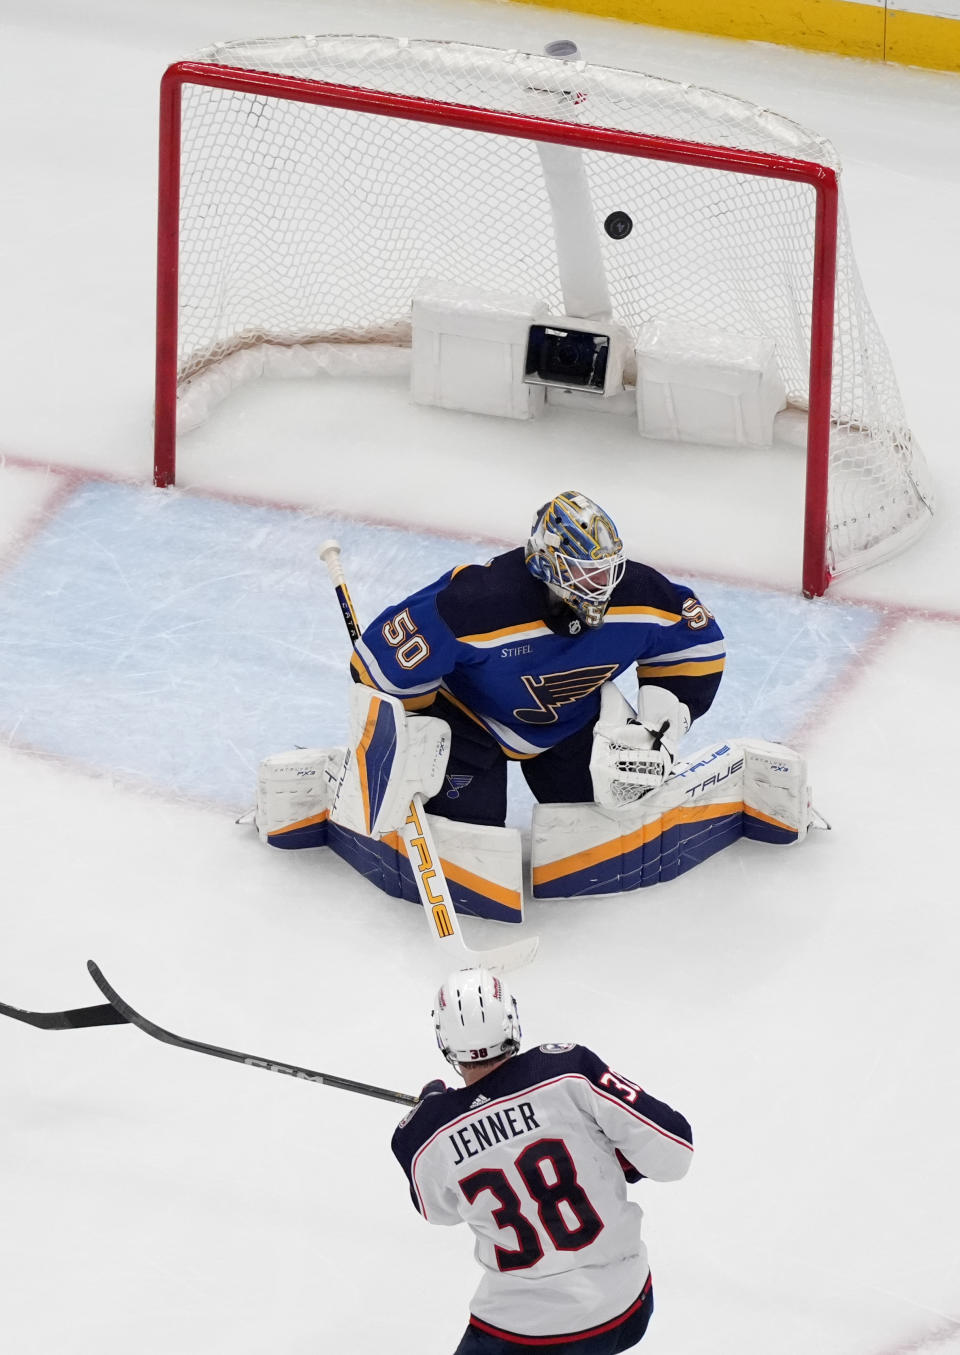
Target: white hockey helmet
x=475, y=1017
x=575, y=549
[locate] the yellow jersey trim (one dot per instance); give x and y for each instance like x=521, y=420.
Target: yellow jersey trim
x=360, y=668
x=624, y=613
x=701, y=669
x=493, y=636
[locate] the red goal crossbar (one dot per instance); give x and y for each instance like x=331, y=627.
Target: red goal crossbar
x=821, y=179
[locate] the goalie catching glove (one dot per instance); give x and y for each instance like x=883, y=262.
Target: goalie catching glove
x=634, y=751
x=392, y=757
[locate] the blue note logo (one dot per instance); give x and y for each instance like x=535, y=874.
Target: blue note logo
x=457, y=783
x=552, y=690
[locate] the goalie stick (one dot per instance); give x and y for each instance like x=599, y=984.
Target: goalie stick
x=418, y=840
x=118, y=1012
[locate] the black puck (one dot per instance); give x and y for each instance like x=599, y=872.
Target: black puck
x=618, y=225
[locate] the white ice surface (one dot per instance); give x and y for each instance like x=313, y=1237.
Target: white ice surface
x=801, y=1006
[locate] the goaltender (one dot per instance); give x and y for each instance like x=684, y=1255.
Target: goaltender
x=515, y=655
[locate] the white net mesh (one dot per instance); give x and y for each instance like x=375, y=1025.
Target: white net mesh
x=305, y=226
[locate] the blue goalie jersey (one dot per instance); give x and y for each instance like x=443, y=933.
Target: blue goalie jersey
x=536, y=1157
x=495, y=644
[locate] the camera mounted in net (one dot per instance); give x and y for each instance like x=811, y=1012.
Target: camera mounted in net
x=573, y=358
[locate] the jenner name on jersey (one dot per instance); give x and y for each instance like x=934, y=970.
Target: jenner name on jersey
x=488, y=1130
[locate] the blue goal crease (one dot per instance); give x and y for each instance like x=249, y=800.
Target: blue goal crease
x=175, y=640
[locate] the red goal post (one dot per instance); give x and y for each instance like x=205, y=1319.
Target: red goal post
x=206, y=105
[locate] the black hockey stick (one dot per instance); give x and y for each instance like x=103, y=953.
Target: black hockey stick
x=123, y=1012
x=75, y=1019
x=421, y=851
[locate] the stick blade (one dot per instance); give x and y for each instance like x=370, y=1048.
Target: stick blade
x=513, y=956
x=77, y=1018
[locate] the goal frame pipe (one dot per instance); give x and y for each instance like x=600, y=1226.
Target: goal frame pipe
x=823, y=180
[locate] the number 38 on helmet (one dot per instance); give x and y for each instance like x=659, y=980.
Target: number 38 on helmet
x=475, y=1017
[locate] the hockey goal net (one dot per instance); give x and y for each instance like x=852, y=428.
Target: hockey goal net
x=308, y=185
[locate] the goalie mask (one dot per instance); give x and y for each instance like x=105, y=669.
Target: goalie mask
x=475, y=1017
x=575, y=550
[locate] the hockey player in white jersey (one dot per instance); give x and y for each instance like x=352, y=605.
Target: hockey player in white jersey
x=534, y=1152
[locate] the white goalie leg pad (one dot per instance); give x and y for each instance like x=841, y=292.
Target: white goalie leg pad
x=743, y=788
x=392, y=757
x=483, y=866
x=633, y=751
x=295, y=793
